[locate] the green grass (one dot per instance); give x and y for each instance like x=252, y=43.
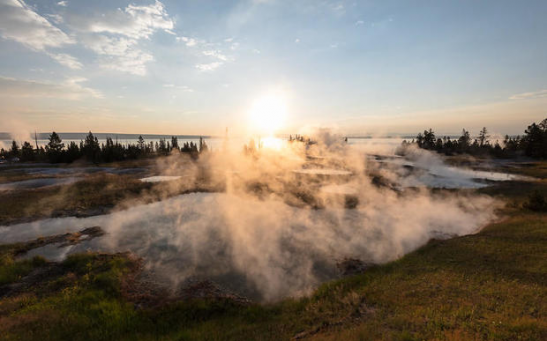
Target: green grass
x=11, y=271
x=101, y=190
x=488, y=286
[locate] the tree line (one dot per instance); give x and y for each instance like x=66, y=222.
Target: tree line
x=533, y=143
x=91, y=150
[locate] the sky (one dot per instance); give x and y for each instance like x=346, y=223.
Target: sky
x=199, y=66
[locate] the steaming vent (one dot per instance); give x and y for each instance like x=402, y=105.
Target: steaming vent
x=267, y=224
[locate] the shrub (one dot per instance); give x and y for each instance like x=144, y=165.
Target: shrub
x=536, y=202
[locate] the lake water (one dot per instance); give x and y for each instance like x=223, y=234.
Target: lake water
x=212, y=141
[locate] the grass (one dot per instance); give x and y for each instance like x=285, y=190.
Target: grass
x=487, y=286
x=95, y=194
x=97, y=191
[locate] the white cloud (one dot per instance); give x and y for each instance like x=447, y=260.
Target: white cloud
x=215, y=54
x=530, y=95
x=115, y=36
x=135, y=22
x=209, y=66
x=184, y=88
x=66, y=60
x=119, y=53
x=20, y=23
x=56, y=18
x=70, y=89
x=297, y=41
x=62, y=3
x=359, y=22
x=188, y=41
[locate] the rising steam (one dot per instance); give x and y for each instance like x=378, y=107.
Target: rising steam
x=276, y=231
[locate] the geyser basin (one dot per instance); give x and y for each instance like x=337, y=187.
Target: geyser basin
x=160, y=178
x=37, y=183
x=433, y=173
x=265, y=249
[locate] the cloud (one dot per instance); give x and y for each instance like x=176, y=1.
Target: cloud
x=530, y=95
x=184, y=88
x=70, y=89
x=215, y=54
x=209, y=66
x=66, y=60
x=115, y=36
x=56, y=18
x=211, y=50
x=119, y=53
x=20, y=23
x=62, y=3
x=338, y=9
x=359, y=22
x=135, y=22
x=188, y=41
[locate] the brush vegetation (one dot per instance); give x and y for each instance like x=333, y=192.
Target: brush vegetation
x=487, y=286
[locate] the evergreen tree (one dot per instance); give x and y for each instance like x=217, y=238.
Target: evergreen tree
x=14, y=151
x=534, y=142
x=174, y=142
x=420, y=140
x=54, y=148
x=483, y=137
x=91, y=148
x=73, y=152
x=429, y=139
x=464, y=141
x=202, y=145
x=27, y=152
x=140, y=143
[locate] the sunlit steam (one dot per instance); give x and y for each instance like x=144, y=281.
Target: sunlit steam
x=268, y=114
x=281, y=218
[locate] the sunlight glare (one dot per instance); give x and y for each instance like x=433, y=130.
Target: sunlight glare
x=268, y=113
x=272, y=143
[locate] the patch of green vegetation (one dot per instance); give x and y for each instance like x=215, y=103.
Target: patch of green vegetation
x=11, y=271
x=536, y=202
x=488, y=286
x=94, y=192
x=536, y=169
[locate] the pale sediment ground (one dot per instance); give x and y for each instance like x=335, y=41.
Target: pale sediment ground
x=37, y=183
x=261, y=249
x=253, y=242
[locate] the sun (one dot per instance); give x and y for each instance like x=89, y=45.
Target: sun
x=268, y=114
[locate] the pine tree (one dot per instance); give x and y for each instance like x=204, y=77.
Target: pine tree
x=54, y=148
x=483, y=137
x=14, y=151
x=27, y=152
